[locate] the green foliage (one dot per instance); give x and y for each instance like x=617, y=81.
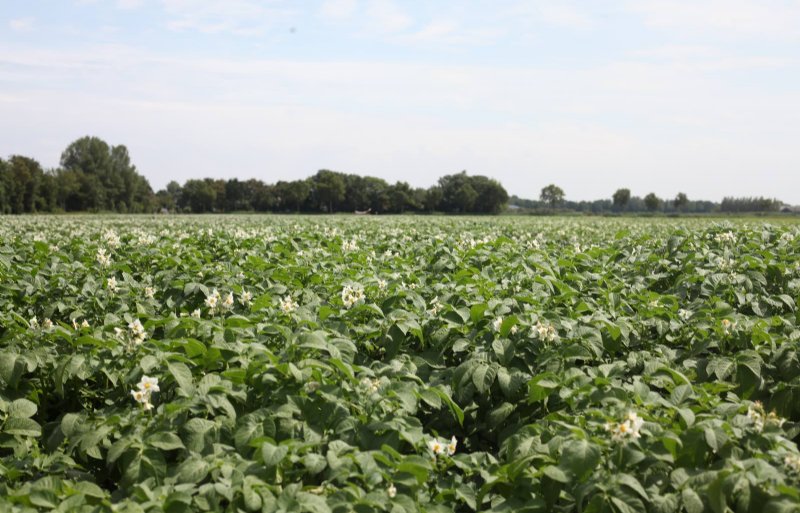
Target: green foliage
x=310, y=364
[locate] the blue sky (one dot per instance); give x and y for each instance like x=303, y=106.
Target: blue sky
x=699, y=96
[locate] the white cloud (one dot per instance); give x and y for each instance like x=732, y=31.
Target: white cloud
x=237, y=17
x=565, y=15
x=561, y=13
x=129, y=4
x=337, y=10
x=21, y=24
x=769, y=19
x=386, y=16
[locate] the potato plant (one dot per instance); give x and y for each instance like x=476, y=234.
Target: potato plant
x=409, y=364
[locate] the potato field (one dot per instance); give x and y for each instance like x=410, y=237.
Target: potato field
x=400, y=364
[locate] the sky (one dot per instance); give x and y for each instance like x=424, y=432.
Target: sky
x=664, y=96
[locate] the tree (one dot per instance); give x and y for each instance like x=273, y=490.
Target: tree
x=492, y=197
x=329, y=189
x=198, y=195
x=110, y=181
x=621, y=198
x=681, y=201
x=292, y=194
x=553, y=195
x=652, y=202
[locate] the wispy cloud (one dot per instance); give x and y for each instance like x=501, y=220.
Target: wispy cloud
x=21, y=24
x=769, y=19
x=237, y=17
x=386, y=16
x=338, y=10
x=129, y=4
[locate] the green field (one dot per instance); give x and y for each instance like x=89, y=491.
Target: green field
x=436, y=364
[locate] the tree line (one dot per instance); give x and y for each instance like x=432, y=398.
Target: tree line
x=333, y=191
x=94, y=176
x=552, y=198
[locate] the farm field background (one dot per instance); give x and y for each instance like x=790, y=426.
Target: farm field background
x=334, y=364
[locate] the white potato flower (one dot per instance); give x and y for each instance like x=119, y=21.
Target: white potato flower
x=627, y=429
x=435, y=446
x=352, y=294
x=391, y=491
x=111, y=283
x=245, y=298
x=228, y=301
x=497, y=323
x=451, y=447
x=288, y=304
x=148, y=385
x=149, y=292
x=102, y=258
x=212, y=300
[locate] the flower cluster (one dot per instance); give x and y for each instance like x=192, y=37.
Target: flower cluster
x=212, y=301
x=792, y=463
x=46, y=325
x=439, y=447
x=144, y=391
x=544, y=332
x=760, y=419
x=111, y=284
x=435, y=308
x=371, y=385
x=627, y=429
x=352, y=294
x=136, y=332
x=349, y=245
x=725, y=237
x=245, y=298
x=727, y=326
x=288, y=304
x=149, y=292
x=102, y=258
x=111, y=238
x=83, y=324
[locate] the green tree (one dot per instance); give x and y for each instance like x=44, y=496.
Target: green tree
x=492, y=197
x=621, y=198
x=110, y=180
x=198, y=195
x=652, y=202
x=291, y=195
x=329, y=189
x=681, y=201
x=553, y=195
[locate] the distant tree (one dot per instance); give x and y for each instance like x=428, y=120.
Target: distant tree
x=328, y=189
x=458, y=195
x=492, y=197
x=25, y=176
x=433, y=198
x=553, y=195
x=681, y=201
x=376, y=192
x=750, y=204
x=401, y=198
x=652, y=202
x=621, y=198
x=110, y=181
x=291, y=195
x=198, y=195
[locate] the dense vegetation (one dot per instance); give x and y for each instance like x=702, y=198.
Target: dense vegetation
x=97, y=177
x=290, y=364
